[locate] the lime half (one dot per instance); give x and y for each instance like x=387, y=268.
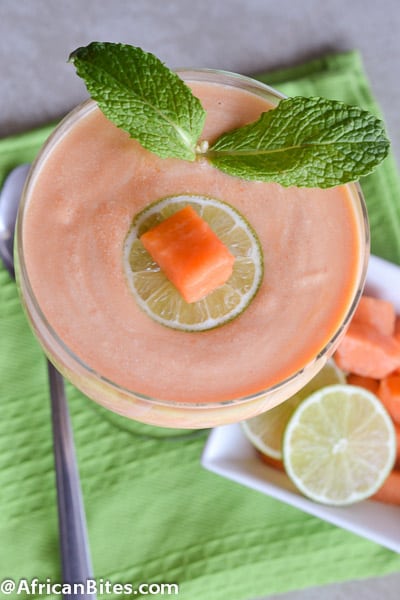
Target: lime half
x=339, y=445
x=159, y=298
x=265, y=431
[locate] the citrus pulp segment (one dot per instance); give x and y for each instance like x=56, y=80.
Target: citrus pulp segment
x=159, y=298
x=339, y=445
x=265, y=431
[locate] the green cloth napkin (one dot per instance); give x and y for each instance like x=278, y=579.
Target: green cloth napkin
x=154, y=514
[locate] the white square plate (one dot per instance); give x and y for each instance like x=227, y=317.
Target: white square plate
x=230, y=454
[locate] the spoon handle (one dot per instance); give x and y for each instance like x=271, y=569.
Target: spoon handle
x=74, y=546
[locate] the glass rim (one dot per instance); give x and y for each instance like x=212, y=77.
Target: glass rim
x=55, y=347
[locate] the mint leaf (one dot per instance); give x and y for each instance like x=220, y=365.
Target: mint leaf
x=306, y=142
x=138, y=93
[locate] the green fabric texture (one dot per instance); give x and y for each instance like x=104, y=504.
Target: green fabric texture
x=154, y=514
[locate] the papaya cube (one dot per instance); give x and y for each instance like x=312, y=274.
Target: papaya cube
x=366, y=351
x=368, y=383
x=397, y=328
x=376, y=312
x=189, y=253
x=389, y=393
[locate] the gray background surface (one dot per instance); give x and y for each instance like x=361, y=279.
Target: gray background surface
x=246, y=36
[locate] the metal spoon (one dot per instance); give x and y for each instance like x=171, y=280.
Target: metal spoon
x=74, y=546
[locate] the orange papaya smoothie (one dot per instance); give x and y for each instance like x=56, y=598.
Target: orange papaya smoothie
x=85, y=189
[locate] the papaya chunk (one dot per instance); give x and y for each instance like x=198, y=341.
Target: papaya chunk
x=271, y=462
x=189, y=253
x=397, y=428
x=368, y=383
x=390, y=491
x=368, y=352
x=389, y=394
x=397, y=329
x=376, y=312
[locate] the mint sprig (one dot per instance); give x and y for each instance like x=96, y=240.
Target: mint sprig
x=138, y=93
x=309, y=142
x=305, y=142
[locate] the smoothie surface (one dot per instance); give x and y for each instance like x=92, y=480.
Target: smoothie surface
x=82, y=202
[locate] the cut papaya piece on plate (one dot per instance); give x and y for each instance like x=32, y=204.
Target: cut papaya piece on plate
x=390, y=490
x=389, y=394
x=271, y=462
x=376, y=312
x=368, y=383
x=397, y=428
x=367, y=352
x=397, y=329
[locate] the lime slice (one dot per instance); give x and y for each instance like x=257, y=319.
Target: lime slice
x=265, y=431
x=159, y=298
x=339, y=445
